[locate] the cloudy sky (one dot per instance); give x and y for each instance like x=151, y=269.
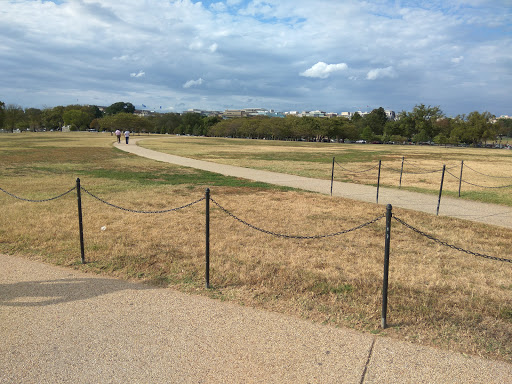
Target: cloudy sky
x=333, y=55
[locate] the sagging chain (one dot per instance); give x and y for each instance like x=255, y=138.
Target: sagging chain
x=294, y=236
x=480, y=186
x=365, y=170
x=483, y=174
x=38, y=201
x=444, y=243
x=136, y=211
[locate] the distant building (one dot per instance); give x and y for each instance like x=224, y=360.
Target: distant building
x=142, y=113
x=390, y=115
x=233, y=113
x=247, y=112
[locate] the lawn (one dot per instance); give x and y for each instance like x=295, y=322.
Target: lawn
x=437, y=295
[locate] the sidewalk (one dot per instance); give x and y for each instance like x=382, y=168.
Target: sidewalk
x=463, y=209
x=61, y=326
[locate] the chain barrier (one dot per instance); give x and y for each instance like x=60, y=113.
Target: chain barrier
x=444, y=243
x=136, y=211
x=293, y=236
x=497, y=177
x=38, y=201
x=405, y=172
x=480, y=186
x=348, y=170
x=425, y=172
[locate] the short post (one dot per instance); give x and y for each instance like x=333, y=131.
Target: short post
x=80, y=224
x=378, y=182
x=332, y=174
x=207, y=272
x=440, y=190
x=460, y=178
x=401, y=172
x=386, y=266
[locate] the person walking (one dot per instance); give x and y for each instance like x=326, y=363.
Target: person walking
x=118, y=135
x=127, y=135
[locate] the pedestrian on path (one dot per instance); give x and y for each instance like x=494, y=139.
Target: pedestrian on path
x=127, y=135
x=118, y=135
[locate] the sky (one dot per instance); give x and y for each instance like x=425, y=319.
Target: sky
x=286, y=55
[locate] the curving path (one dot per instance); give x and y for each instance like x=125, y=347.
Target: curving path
x=462, y=209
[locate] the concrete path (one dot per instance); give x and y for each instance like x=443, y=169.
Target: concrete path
x=62, y=326
x=458, y=208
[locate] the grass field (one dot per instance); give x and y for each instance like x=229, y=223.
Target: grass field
x=437, y=296
x=485, y=171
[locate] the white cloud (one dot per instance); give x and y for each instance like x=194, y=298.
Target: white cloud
x=218, y=7
x=265, y=45
x=380, y=73
x=322, y=70
x=193, y=83
x=196, y=45
x=140, y=74
x=457, y=60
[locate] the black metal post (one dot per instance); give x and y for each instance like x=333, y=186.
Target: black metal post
x=440, y=190
x=378, y=182
x=460, y=179
x=332, y=174
x=207, y=272
x=389, y=214
x=401, y=172
x=80, y=224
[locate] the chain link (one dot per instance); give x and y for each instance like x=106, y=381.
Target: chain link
x=348, y=170
x=38, y=201
x=423, y=172
x=135, y=211
x=293, y=236
x=497, y=177
x=480, y=186
x=440, y=170
x=450, y=245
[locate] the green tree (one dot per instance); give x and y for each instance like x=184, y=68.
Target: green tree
x=2, y=114
x=52, y=118
x=78, y=119
x=308, y=128
x=166, y=122
x=479, y=127
x=125, y=121
x=34, y=117
x=505, y=127
x=209, y=122
x=367, y=134
x=14, y=115
x=119, y=107
x=425, y=121
x=192, y=123
x=376, y=120
x=336, y=128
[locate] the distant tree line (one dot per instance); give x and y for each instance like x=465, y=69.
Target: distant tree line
x=422, y=124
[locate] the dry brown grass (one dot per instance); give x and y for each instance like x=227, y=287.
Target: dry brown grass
x=438, y=296
x=485, y=169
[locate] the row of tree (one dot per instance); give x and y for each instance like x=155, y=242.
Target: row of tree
x=422, y=124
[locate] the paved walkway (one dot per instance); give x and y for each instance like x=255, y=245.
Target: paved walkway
x=62, y=326
x=458, y=208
